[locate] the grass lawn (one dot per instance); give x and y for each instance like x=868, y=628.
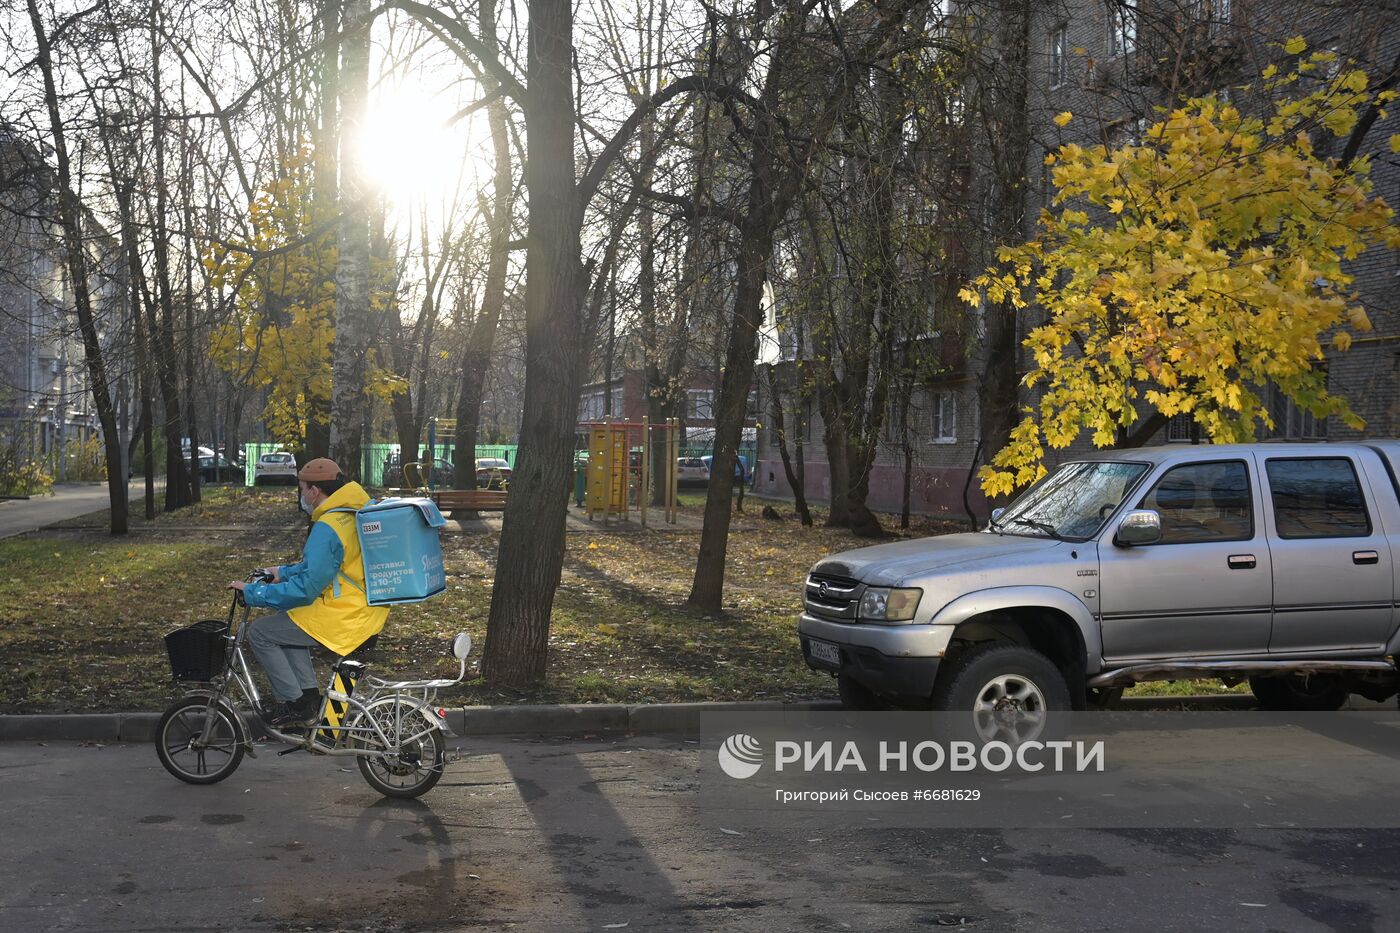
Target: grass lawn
x=82, y=613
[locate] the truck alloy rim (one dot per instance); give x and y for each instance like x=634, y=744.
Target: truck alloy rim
x=1009, y=708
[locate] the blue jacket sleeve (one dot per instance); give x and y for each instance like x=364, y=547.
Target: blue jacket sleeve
x=301, y=583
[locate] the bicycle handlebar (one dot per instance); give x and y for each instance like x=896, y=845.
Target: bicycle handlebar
x=256, y=576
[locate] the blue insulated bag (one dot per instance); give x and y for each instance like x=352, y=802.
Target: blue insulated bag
x=400, y=551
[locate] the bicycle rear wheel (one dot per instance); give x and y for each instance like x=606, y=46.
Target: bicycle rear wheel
x=422, y=753
x=178, y=742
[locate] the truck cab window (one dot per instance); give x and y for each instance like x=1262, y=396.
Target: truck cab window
x=1203, y=502
x=1317, y=497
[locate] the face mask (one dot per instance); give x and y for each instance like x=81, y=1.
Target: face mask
x=307, y=507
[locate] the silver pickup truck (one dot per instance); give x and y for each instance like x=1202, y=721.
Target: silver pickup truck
x=1273, y=563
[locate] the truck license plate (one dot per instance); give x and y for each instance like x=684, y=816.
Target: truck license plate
x=825, y=652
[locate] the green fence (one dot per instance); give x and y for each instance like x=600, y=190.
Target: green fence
x=380, y=458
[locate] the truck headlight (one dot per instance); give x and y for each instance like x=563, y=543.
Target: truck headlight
x=889, y=605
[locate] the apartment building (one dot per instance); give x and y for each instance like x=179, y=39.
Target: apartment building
x=1113, y=64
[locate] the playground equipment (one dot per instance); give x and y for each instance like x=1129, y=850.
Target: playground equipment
x=620, y=467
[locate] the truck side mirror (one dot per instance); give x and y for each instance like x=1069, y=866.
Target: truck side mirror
x=1140, y=526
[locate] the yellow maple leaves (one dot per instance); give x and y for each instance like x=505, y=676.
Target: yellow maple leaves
x=1191, y=271
x=280, y=332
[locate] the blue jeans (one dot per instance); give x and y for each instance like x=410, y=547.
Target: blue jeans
x=284, y=650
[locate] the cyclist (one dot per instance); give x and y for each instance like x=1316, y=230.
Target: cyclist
x=321, y=600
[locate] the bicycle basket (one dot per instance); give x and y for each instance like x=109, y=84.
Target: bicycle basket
x=197, y=651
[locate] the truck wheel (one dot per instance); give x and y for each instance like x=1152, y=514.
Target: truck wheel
x=1297, y=693
x=857, y=696
x=1009, y=690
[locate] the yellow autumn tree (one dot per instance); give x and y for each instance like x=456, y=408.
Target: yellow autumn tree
x=279, y=334
x=1187, y=272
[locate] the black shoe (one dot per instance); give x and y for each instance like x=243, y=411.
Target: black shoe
x=287, y=715
x=276, y=712
x=309, y=705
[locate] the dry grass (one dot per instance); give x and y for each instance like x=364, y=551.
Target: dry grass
x=82, y=613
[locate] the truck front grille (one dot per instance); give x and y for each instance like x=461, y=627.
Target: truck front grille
x=834, y=598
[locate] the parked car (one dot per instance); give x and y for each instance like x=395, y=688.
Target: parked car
x=1268, y=563
x=739, y=464
x=276, y=467
x=692, y=471
x=216, y=468
x=492, y=473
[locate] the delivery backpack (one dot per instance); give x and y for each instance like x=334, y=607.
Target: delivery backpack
x=399, y=550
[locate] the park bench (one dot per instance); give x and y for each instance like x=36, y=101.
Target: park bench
x=476, y=500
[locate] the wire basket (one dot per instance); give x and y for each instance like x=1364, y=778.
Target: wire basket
x=197, y=651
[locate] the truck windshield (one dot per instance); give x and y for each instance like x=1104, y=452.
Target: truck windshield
x=1071, y=503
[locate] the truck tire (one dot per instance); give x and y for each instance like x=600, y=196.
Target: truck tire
x=857, y=696
x=993, y=678
x=1295, y=693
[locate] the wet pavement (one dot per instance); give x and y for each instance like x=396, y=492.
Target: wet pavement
x=604, y=834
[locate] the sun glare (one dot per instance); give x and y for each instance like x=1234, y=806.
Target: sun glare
x=407, y=152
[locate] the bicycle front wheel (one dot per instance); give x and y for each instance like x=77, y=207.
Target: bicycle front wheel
x=421, y=756
x=200, y=742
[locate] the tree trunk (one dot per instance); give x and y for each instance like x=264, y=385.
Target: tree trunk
x=837, y=467
x=162, y=330
x=70, y=218
x=756, y=246
x=998, y=393
x=349, y=362
x=325, y=195
x=532, y=536
x=779, y=431
x=661, y=408
x=476, y=360
x=191, y=391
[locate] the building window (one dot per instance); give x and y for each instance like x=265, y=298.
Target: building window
x=1293, y=423
x=1122, y=27
x=700, y=404
x=593, y=405
x=1220, y=12
x=1059, y=63
x=943, y=411
x=590, y=406
x=1180, y=429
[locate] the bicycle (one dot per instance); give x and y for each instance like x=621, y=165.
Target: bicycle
x=391, y=728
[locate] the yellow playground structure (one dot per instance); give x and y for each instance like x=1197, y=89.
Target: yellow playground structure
x=620, y=470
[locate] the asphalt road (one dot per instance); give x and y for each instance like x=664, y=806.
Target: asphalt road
x=604, y=834
x=68, y=501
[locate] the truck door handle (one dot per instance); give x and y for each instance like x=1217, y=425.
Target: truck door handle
x=1241, y=561
x=1365, y=557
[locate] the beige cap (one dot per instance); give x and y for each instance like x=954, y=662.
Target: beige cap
x=319, y=469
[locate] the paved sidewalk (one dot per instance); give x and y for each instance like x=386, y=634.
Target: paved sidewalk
x=69, y=500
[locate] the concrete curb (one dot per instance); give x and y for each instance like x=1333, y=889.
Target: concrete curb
x=574, y=719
